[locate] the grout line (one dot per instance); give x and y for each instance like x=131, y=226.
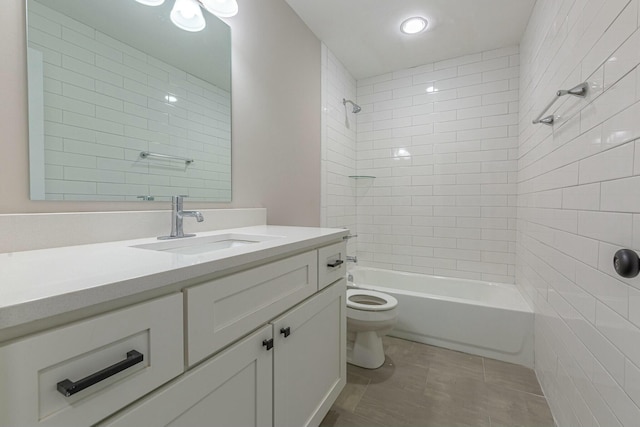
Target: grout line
x=484, y=372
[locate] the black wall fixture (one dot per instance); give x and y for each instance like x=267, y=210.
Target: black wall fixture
x=626, y=263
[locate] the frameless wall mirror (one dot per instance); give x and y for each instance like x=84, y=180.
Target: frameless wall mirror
x=124, y=105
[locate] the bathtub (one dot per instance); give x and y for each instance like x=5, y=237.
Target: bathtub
x=487, y=319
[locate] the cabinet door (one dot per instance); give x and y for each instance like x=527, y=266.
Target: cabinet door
x=233, y=389
x=310, y=358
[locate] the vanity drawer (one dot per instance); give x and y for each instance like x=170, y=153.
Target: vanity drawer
x=141, y=345
x=332, y=264
x=223, y=310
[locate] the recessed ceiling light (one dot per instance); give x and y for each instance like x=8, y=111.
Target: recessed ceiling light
x=414, y=25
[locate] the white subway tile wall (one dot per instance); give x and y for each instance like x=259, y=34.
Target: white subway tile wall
x=578, y=203
x=104, y=103
x=338, y=147
x=442, y=141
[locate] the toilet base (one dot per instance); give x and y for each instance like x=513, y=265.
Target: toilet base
x=367, y=350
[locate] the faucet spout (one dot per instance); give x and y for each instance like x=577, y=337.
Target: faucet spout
x=196, y=214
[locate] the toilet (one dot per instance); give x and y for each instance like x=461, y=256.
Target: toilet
x=370, y=316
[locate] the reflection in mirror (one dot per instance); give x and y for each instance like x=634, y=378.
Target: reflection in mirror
x=123, y=105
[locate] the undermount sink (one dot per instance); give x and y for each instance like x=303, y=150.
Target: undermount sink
x=200, y=245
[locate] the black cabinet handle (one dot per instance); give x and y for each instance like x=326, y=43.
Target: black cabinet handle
x=335, y=263
x=626, y=263
x=285, y=331
x=69, y=388
x=268, y=344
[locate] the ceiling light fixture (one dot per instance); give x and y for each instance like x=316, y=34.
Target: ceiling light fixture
x=414, y=25
x=186, y=15
x=150, y=2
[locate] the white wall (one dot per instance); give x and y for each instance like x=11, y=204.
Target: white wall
x=338, y=147
x=441, y=140
x=275, y=117
x=578, y=203
x=104, y=103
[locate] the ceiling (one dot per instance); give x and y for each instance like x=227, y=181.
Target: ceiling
x=365, y=34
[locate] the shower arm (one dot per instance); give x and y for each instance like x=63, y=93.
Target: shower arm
x=356, y=107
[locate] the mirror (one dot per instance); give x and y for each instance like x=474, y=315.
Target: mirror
x=123, y=105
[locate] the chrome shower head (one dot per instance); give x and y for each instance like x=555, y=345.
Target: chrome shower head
x=356, y=107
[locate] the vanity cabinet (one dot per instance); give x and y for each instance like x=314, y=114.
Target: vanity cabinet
x=286, y=374
x=255, y=344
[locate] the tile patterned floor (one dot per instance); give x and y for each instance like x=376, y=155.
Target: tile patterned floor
x=421, y=385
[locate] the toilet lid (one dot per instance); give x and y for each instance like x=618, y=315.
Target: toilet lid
x=364, y=299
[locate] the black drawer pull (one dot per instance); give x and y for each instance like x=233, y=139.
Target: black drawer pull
x=268, y=344
x=69, y=388
x=335, y=263
x=285, y=331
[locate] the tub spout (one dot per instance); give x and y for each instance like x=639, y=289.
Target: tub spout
x=353, y=259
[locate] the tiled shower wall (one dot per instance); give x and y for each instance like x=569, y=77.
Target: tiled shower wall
x=104, y=103
x=441, y=140
x=579, y=202
x=338, y=147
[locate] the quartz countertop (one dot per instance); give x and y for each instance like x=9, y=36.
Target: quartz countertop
x=38, y=284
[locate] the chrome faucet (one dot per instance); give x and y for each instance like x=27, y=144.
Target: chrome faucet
x=353, y=259
x=177, y=215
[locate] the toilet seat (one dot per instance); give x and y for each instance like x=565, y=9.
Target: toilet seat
x=370, y=300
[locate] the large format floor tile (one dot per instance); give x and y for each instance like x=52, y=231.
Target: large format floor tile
x=420, y=385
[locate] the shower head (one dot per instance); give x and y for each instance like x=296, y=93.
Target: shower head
x=356, y=107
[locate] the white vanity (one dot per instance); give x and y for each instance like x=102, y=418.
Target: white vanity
x=142, y=333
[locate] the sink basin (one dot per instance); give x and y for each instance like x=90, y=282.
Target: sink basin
x=200, y=245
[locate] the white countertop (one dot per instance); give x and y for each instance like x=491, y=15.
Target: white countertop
x=38, y=284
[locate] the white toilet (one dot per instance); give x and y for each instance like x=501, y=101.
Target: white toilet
x=370, y=316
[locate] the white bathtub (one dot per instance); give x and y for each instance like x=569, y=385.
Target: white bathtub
x=488, y=319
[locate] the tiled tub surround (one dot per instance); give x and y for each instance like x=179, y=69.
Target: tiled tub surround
x=578, y=203
x=338, y=147
x=104, y=103
x=442, y=141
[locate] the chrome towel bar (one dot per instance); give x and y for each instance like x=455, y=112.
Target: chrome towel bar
x=579, y=91
x=147, y=154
